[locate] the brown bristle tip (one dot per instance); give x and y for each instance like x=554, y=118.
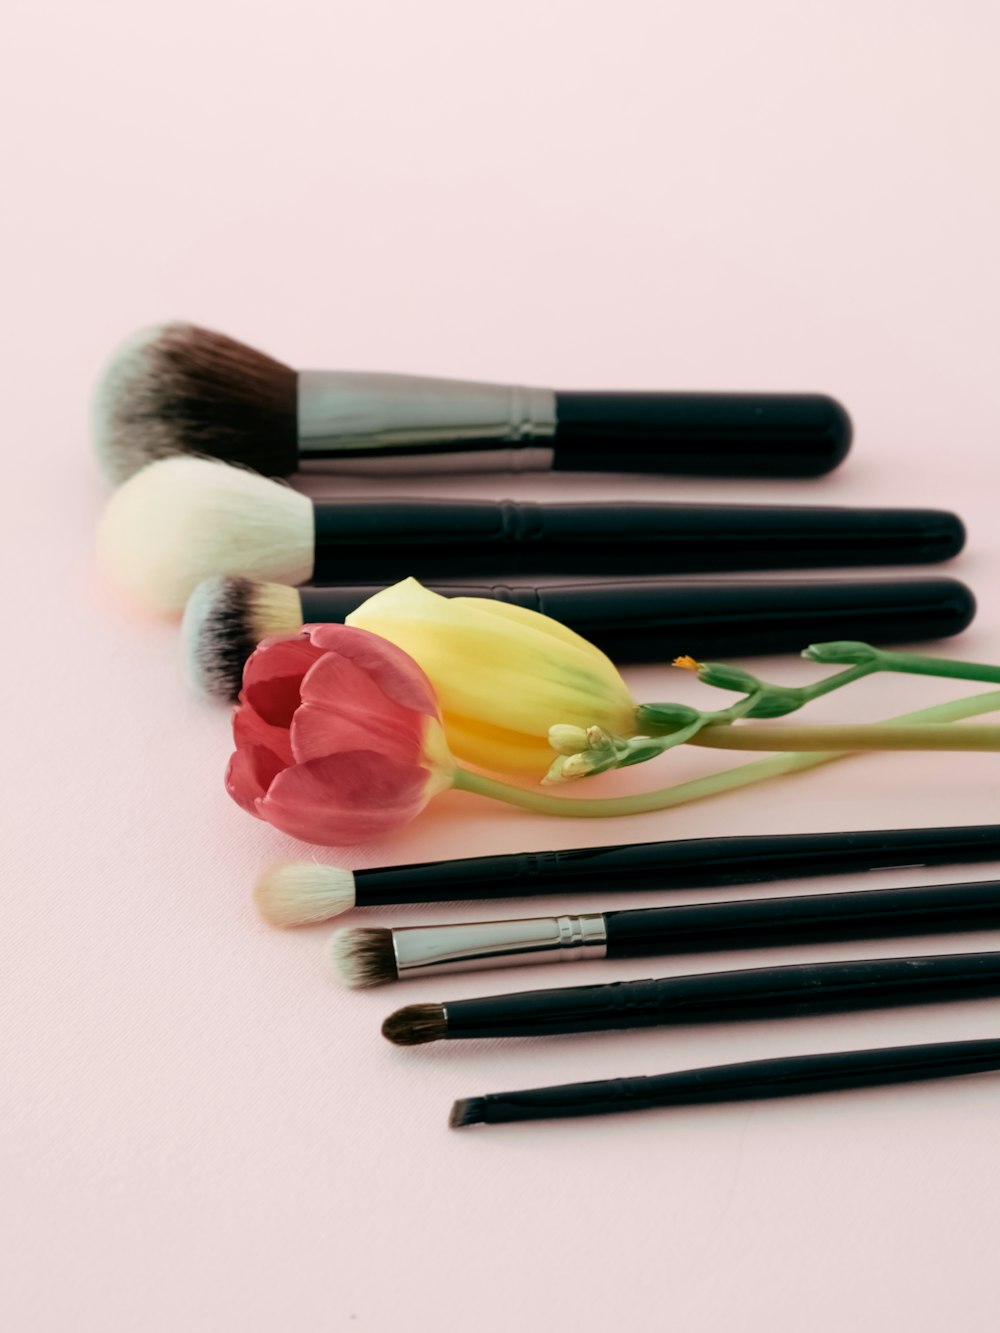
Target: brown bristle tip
x=416, y=1024
x=466, y=1111
x=364, y=957
x=224, y=620
x=177, y=388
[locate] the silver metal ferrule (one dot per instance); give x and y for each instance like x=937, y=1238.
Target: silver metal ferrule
x=406, y=422
x=460, y=948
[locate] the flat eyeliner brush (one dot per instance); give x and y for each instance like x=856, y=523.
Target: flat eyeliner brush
x=177, y=388
x=366, y=957
x=298, y=892
x=181, y=520
x=753, y=1080
x=714, y=997
x=649, y=620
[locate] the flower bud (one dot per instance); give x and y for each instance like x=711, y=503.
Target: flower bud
x=843, y=652
x=568, y=740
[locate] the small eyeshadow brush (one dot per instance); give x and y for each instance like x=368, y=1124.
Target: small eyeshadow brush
x=177, y=388
x=297, y=893
x=181, y=520
x=713, y=997
x=649, y=620
x=373, y=957
x=753, y=1080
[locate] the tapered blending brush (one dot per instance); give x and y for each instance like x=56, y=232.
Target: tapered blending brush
x=182, y=520
x=714, y=997
x=651, y=620
x=372, y=957
x=753, y=1080
x=297, y=893
x=180, y=389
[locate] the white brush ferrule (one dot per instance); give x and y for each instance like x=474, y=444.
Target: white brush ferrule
x=422, y=950
x=394, y=419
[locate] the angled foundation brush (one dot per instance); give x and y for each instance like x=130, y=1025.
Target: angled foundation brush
x=182, y=520
x=366, y=957
x=714, y=997
x=649, y=620
x=180, y=389
x=754, y=1080
x=297, y=893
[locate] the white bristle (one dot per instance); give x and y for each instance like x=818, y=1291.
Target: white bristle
x=181, y=520
x=300, y=892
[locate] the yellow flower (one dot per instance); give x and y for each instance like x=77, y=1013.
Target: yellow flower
x=503, y=675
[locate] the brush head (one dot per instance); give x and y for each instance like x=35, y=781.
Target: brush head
x=224, y=621
x=364, y=957
x=467, y=1111
x=182, y=520
x=181, y=389
x=300, y=892
x=416, y=1024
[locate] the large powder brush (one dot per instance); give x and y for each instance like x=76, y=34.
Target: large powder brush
x=180, y=389
x=181, y=520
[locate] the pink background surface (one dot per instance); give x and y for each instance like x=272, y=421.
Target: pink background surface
x=202, y=1130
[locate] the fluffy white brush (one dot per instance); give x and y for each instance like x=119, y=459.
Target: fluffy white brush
x=181, y=520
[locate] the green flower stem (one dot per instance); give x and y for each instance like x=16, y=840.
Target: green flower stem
x=743, y=775
x=932, y=736
x=917, y=664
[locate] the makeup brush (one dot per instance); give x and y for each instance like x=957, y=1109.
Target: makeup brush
x=714, y=997
x=297, y=893
x=752, y=1080
x=182, y=520
x=366, y=957
x=650, y=620
x=177, y=388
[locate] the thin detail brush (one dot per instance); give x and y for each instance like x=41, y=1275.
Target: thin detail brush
x=180, y=389
x=374, y=957
x=753, y=1080
x=297, y=893
x=714, y=997
x=181, y=520
x=650, y=620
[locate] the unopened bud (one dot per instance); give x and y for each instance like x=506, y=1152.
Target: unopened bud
x=566, y=739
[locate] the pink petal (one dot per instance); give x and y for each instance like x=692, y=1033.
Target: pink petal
x=250, y=729
x=396, y=673
x=251, y=771
x=343, y=708
x=345, y=798
x=272, y=674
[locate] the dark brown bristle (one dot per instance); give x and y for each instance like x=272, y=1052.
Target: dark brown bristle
x=365, y=957
x=218, y=637
x=467, y=1111
x=416, y=1024
x=184, y=389
x=224, y=621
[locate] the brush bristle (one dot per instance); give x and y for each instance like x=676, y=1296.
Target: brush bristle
x=180, y=389
x=416, y=1024
x=467, y=1111
x=364, y=957
x=183, y=520
x=224, y=621
x=300, y=892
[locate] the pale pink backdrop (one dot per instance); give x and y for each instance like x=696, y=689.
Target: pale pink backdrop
x=201, y=1130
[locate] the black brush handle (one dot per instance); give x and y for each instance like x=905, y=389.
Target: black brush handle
x=379, y=541
x=701, y=434
x=750, y=1081
x=725, y=997
x=755, y=924
x=655, y=620
x=692, y=863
